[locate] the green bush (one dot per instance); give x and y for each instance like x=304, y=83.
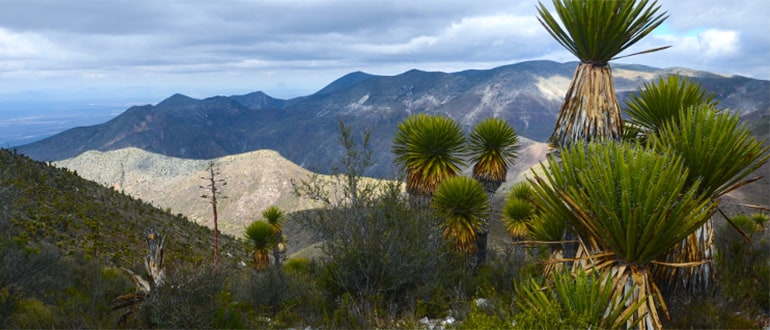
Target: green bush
x=383, y=259
x=300, y=266
x=32, y=313
x=287, y=299
x=188, y=300
x=572, y=301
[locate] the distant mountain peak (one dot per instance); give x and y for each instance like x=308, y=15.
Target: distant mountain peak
x=258, y=100
x=176, y=100
x=345, y=81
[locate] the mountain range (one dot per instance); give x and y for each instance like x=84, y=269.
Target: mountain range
x=304, y=129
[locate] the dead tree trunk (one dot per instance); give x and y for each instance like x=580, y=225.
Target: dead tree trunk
x=213, y=182
x=145, y=285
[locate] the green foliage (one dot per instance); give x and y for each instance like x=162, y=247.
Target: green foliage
x=518, y=210
x=718, y=150
x=300, y=266
x=380, y=256
x=480, y=317
x=32, y=313
x=461, y=203
x=492, y=147
x=260, y=235
x=629, y=200
x=288, y=299
x=662, y=101
x=429, y=148
x=740, y=300
x=274, y=216
x=597, y=31
x=575, y=301
x=742, y=266
x=47, y=205
x=193, y=299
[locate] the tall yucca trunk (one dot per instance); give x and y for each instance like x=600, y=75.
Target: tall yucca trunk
x=261, y=260
x=482, y=235
x=693, y=250
x=554, y=263
x=590, y=110
x=635, y=282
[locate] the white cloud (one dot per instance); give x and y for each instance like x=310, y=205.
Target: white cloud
x=201, y=45
x=719, y=43
x=22, y=45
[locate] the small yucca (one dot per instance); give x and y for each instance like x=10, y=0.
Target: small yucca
x=261, y=236
x=461, y=204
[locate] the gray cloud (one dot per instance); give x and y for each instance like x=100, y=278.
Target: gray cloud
x=298, y=46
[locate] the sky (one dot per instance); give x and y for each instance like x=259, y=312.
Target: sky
x=145, y=50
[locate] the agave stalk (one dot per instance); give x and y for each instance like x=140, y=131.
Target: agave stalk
x=595, y=32
x=629, y=206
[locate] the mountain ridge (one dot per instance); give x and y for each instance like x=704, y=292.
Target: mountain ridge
x=304, y=129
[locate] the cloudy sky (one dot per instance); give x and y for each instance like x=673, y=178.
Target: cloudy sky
x=153, y=48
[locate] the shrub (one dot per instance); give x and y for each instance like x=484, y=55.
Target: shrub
x=382, y=257
x=574, y=301
x=288, y=299
x=187, y=300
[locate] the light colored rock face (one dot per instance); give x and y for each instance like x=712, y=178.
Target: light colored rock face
x=255, y=180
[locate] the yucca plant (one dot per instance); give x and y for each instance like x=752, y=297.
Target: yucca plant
x=662, y=101
x=595, y=32
x=629, y=206
x=275, y=218
x=492, y=148
x=429, y=148
x=516, y=215
x=528, y=225
x=720, y=154
x=576, y=300
x=261, y=236
x=461, y=204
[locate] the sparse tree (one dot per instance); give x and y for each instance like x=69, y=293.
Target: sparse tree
x=213, y=186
